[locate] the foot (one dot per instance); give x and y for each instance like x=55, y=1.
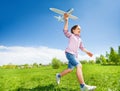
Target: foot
x=88, y=88
x=57, y=78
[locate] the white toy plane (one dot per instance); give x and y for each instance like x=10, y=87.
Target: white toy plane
x=61, y=18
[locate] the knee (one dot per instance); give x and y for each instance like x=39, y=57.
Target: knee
x=69, y=70
x=79, y=66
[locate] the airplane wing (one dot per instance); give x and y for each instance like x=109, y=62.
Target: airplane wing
x=73, y=17
x=63, y=12
x=57, y=11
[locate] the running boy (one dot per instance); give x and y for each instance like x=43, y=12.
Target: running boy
x=71, y=52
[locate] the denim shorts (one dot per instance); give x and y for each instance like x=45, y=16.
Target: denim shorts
x=72, y=61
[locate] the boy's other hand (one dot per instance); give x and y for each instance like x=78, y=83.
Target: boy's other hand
x=89, y=54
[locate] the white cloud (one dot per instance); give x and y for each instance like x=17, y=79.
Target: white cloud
x=30, y=55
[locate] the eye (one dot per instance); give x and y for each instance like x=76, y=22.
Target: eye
x=78, y=28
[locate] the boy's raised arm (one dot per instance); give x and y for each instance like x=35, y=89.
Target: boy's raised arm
x=66, y=22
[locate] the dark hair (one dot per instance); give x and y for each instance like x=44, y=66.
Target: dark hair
x=74, y=27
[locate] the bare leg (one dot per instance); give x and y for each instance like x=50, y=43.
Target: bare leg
x=65, y=72
x=62, y=74
x=79, y=74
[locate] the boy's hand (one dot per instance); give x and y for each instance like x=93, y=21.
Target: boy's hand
x=66, y=16
x=89, y=54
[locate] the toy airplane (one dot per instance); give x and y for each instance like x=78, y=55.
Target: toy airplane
x=61, y=18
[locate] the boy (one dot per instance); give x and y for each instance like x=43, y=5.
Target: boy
x=71, y=52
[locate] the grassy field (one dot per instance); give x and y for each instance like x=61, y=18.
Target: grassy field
x=106, y=78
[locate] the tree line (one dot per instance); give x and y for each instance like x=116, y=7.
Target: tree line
x=111, y=58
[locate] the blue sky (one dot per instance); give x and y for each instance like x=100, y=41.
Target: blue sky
x=30, y=23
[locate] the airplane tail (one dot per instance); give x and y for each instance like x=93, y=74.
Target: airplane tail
x=59, y=18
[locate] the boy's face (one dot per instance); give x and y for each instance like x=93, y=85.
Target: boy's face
x=77, y=30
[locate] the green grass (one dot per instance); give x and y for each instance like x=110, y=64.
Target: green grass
x=106, y=78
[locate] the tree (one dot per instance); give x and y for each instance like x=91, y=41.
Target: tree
x=113, y=56
x=98, y=60
x=9, y=66
x=83, y=61
x=35, y=65
x=26, y=66
x=107, y=57
x=56, y=63
x=103, y=60
x=91, y=62
x=119, y=50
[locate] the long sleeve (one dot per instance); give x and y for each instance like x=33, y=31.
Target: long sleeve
x=81, y=46
x=67, y=34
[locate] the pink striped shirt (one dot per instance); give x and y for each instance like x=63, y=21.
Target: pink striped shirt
x=74, y=44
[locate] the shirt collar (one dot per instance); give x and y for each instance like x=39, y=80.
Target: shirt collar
x=77, y=35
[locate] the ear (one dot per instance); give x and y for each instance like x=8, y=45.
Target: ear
x=73, y=30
